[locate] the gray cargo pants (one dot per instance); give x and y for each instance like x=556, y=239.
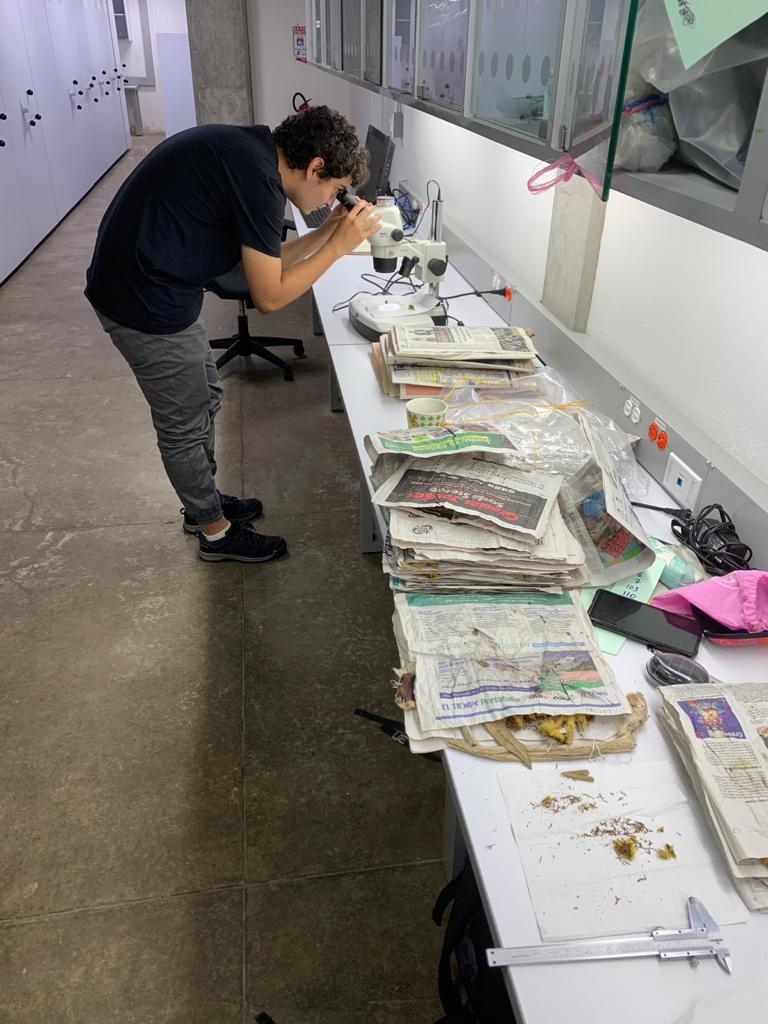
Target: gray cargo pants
x=179, y=379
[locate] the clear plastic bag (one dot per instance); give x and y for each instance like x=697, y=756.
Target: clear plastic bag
x=715, y=119
x=618, y=444
x=545, y=427
x=543, y=383
x=548, y=436
x=647, y=139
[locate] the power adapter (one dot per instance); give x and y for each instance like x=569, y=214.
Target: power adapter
x=711, y=535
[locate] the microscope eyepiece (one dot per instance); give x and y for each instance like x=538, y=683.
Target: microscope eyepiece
x=347, y=198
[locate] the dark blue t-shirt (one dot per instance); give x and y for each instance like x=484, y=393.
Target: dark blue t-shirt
x=179, y=220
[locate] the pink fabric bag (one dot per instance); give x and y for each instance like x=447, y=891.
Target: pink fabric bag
x=738, y=600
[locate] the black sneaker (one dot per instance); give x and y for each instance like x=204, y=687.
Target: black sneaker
x=236, y=510
x=241, y=544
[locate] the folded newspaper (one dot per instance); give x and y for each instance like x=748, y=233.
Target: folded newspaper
x=422, y=360
x=467, y=512
x=508, y=676
x=466, y=345
x=720, y=733
x=448, y=440
x=600, y=515
x=474, y=489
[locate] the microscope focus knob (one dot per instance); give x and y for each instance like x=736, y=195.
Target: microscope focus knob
x=397, y=235
x=437, y=267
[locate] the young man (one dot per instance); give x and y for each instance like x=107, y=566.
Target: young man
x=199, y=203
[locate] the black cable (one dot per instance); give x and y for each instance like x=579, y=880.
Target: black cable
x=710, y=534
x=409, y=212
x=488, y=291
x=388, y=283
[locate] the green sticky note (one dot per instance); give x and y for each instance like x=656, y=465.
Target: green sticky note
x=639, y=586
x=701, y=25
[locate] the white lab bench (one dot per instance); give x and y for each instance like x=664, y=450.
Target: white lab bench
x=600, y=992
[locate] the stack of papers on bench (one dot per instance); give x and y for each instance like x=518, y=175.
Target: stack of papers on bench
x=508, y=676
x=466, y=513
x=720, y=733
x=411, y=361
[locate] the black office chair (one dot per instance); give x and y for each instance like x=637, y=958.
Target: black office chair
x=232, y=285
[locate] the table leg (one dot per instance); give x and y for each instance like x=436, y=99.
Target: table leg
x=317, y=325
x=335, y=401
x=454, y=847
x=370, y=539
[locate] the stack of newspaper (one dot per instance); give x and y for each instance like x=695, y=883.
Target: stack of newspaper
x=411, y=361
x=720, y=733
x=466, y=512
x=508, y=676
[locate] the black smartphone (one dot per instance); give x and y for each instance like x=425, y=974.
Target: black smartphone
x=666, y=631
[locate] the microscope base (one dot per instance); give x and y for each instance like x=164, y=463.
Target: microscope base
x=373, y=315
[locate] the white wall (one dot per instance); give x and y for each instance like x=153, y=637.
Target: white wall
x=679, y=312
x=164, y=16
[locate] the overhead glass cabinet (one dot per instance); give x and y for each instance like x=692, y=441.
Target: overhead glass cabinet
x=442, y=51
x=351, y=36
x=549, y=71
x=590, y=94
x=402, y=44
x=516, y=62
x=373, y=35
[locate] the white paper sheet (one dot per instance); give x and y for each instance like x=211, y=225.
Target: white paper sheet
x=578, y=885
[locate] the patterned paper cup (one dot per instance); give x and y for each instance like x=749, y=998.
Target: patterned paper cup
x=425, y=412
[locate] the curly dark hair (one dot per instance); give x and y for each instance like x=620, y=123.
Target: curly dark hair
x=320, y=131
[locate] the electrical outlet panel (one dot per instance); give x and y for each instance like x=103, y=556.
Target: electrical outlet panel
x=681, y=481
x=632, y=410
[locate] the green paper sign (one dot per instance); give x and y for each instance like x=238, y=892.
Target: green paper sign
x=701, y=25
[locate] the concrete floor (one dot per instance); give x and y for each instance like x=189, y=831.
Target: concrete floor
x=195, y=827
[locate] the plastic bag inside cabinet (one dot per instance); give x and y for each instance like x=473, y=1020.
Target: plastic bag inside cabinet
x=713, y=103
x=656, y=57
x=715, y=119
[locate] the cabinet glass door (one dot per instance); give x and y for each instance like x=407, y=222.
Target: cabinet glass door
x=402, y=50
x=372, y=62
x=351, y=27
x=516, y=62
x=592, y=91
x=332, y=34
x=315, y=31
x=444, y=27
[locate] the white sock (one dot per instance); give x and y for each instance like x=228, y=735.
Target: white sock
x=217, y=536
